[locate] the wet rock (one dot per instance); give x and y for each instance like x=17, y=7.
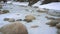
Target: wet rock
x=6, y=19
x=14, y=28
x=5, y=11
x=29, y=18
x=19, y=20
x=35, y=26
x=9, y=19
x=58, y=26
x=52, y=23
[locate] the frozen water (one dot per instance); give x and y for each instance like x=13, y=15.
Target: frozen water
x=23, y=11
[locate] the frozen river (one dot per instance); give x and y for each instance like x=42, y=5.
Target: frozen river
x=26, y=10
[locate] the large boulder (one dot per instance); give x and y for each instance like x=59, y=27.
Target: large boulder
x=14, y=28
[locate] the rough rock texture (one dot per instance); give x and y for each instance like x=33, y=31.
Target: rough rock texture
x=29, y=18
x=14, y=28
x=52, y=23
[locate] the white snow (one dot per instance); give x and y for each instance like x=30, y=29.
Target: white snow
x=23, y=11
x=53, y=5
x=18, y=3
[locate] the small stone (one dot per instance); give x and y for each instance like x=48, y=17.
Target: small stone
x=14, y=28
x=35, y=26
x=19, y=20
x=5, y=11
x=29, y=18
x=6, y=19
x=36, y=7
x=52, y=23
x=11, y=20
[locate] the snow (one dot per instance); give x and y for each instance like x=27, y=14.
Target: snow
x=16, y=8
x=18, y=3
x=53, y=5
